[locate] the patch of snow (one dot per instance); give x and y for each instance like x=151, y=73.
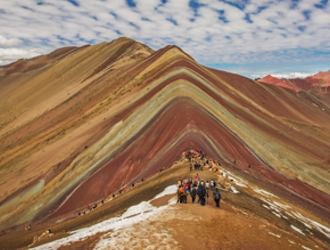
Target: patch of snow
x=311, y=223
x=237, y=180
x=297, y=229
x=265, y=206
x=169, y=190
x=275, y=208
x=245, y=213
x=234, y=190
x=292, y=242
x=276, y=214
x=172, y=201
x=279, y=204
x=133, y=215
x=142, y=236
x=306, y=248
x=264, y=192
x=321, y=228
x=240, y=184
x=279, y=209
x=307, y=225
x=293, y=75
x=143, y=207
x=274, y=234
x=271, y=205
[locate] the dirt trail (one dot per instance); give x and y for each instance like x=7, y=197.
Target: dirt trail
x=191, y=226
x=228, y=228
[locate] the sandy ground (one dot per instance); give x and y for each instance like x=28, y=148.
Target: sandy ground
x=226, y=228
x=191, y=226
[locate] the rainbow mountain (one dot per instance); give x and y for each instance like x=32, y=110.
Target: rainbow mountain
x=83, y=123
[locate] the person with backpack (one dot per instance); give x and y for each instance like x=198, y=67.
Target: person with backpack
x=207, y=188
x=179, y=185
x=186, y=186
x=182, y=196
x=193, y=192
x=217, y=196
x=201, y=192
x=186, y=189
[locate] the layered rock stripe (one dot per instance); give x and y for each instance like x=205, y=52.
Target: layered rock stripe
x=82, y=123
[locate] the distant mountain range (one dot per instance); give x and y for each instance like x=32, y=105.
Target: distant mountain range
x=320, y=80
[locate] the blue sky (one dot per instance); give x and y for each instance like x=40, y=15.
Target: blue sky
x=250, y=37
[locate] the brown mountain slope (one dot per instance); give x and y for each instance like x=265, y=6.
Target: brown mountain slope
x=105, y=116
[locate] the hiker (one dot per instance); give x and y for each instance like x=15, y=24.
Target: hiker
x=186, y=186
x=189, y=155
x=217, y=196
x=190, y=181
x=207, y=188
x=212, y=185
x=196, y=166
x=201, y=192
x=193, y=192
x=207, y=184
x=178, y=192
x=182, y=197
x=197, y=177
x=187, y=189
x=28, y=227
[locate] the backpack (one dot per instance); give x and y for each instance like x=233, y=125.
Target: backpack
x=201, y=191
x=217, y=195
x=186, y=187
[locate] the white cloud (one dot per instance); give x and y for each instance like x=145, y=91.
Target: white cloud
x=8, y=55
x=8, y=42
x=30, y=28
x=294, y=75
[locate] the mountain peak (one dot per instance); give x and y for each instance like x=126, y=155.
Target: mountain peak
x=132, y=42
x=176, y=52
x=122, y=39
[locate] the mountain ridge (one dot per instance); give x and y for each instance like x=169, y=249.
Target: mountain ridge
x=317, y=80
x=130, y=112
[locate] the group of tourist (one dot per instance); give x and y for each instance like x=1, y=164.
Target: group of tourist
x=199, y=161
x=196, y=188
